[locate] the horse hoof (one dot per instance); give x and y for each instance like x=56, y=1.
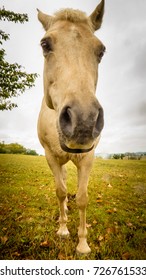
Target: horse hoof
x=83, y=248
x=63, y=233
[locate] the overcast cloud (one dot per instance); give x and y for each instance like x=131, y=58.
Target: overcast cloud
x=122, y=74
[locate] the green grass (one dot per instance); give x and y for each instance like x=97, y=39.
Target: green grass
x=116, y=214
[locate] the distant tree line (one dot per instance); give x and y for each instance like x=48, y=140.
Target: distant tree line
x=129, y=156
x=15, y=148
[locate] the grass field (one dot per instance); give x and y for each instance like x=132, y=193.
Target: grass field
x=116, y=214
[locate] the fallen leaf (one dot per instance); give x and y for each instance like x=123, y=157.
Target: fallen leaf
x=99, y=196
x=4, y=239
x=100, y=238
x=109, y=211
x=110, y=230
x=88, y=225
x=45, y=244
x=4, y=229
x=16, y=254
x=126, y=256
x=99, y=200
x=94, y=222
x=61, y=256
x=22, y=206
x=129, y=224
x=110, y=186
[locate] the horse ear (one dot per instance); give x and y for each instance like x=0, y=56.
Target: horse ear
x=46, y=20
x=97, y=15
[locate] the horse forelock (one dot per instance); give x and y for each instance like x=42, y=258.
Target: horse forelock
x=74, y=16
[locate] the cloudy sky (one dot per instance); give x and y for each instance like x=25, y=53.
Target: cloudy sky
x=122, y=74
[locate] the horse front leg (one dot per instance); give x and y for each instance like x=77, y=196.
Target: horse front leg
x=63, y=230
x=59, y=173
x=62, y=199
x=82, y=200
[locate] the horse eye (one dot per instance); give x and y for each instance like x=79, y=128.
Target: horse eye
x=101, y=53
x=46, y=45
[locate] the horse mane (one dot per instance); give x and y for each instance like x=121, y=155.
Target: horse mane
x=75, y=16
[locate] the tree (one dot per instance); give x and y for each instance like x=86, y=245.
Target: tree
x=31, y=152
x=13, y=81
x=116, y=156
x=12, y=148
x=15, y=148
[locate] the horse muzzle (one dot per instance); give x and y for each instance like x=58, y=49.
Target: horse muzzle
x=78, y=130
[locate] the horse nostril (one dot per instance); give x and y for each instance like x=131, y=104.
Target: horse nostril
x=65, y=121
x=99, y=123
x=66, y=115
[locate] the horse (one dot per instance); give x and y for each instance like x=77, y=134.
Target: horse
x=71, y=118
